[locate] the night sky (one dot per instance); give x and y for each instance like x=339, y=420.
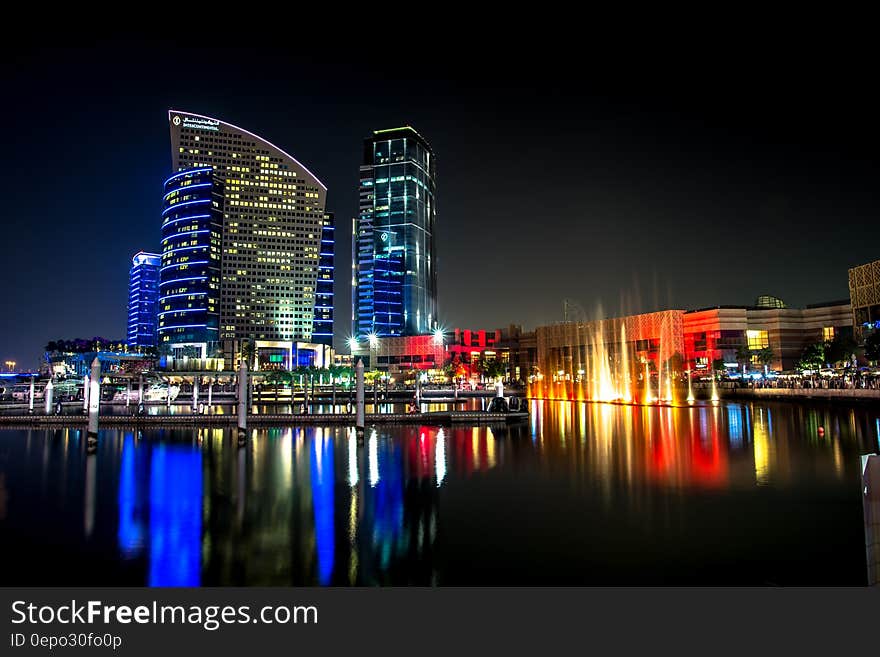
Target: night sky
x=631, y=182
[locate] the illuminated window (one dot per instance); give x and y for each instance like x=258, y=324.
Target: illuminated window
x=828, y=333
x=757, y=340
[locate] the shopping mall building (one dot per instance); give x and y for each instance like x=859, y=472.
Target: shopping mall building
x=698, y=336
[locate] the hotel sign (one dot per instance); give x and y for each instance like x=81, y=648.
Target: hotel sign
x=197, y=123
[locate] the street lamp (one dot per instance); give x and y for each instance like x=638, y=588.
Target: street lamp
x=374, y=343
x=10, y=365
x=438, y=341
x=352, y=342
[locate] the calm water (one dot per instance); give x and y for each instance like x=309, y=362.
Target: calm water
x=581, y=494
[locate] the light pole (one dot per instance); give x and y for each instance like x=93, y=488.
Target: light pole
x=374, y=344
x=438, y=340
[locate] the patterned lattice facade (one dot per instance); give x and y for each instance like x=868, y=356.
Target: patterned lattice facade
x=864, y=294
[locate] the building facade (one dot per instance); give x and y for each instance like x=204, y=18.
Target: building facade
x=864, y=295
x=694, y=339
x=322, y=330
x=143, y=299
x=568, y=349
x=274, y=231
x=456, y=353
x=723, y=332
x=398, y=355
x=190, y=279
x=393, y=252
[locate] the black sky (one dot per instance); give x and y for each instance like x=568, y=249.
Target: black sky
x=632, y=181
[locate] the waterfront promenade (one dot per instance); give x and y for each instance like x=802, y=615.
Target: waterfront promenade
x=855, y=395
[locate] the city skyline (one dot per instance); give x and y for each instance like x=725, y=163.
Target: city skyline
x=638, y=195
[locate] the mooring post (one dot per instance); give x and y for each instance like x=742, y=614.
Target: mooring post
x=94, y=404
x=47, y=397
x=31, y=398
x=871, y=509
x=359, y=397
x=85, y=394
x=242, y=401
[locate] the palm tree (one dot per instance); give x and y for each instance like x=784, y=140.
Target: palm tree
x=490, y=368
x=765, y=356
x=249, y=352
x=743, y=354
x=813, y=357
x=314, y=371
x=302, y=372
x=277, y=377
x=219, y=354
x=335, y=372
x=872, y=345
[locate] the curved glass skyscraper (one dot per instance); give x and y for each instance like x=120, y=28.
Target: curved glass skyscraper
x=189, y=278
x=274, y=232
x=395, y=279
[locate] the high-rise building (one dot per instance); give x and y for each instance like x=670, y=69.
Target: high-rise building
x=273, y=233
x=143, y=299
x=394, y=280
x=189, y=282
x=322, y=331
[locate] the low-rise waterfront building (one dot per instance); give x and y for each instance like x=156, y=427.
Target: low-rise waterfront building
x=696, y=339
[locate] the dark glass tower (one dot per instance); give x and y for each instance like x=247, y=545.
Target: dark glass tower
x=143, y=299
x=395, y=281
x=189, y=281
x=322, y=331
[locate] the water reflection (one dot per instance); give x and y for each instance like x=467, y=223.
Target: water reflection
x=134, y=477
x=598, y=492
x=175, y=515
x=322, y=494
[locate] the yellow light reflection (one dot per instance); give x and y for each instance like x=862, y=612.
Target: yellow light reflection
x=761, y=449
x=352, y=459
x=490, y=447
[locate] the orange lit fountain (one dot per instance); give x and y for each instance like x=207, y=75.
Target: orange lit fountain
x=598, y=361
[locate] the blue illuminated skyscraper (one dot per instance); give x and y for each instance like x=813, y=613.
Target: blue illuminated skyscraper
x=322, y=330
x=189, y=280
x=143, y=299
x=395, y=280
x=274, y=228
